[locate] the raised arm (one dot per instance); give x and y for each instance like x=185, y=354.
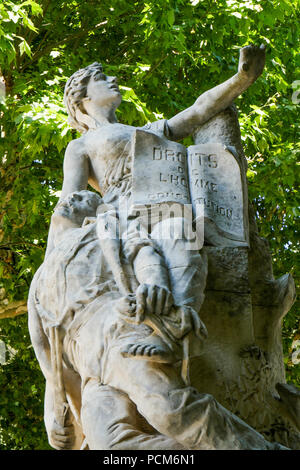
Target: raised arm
x=215, y=100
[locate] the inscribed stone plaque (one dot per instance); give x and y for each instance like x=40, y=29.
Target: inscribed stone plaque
x=216, y=183
x=206, y=176
x=159, y=170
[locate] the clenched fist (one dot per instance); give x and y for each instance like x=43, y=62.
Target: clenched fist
x=252, y=61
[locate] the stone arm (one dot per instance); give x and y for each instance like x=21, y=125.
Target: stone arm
x=59, y=437
x=41, y=347
x=38, y=337
x=212, y=102
x=76, y=169
x=76, y=175
x=51, y=237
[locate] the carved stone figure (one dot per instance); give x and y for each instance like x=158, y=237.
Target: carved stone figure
x=114, y=309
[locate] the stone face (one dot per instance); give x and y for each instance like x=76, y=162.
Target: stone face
x=144, y=342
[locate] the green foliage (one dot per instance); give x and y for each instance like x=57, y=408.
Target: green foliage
x=165, y=54
x=22, y=403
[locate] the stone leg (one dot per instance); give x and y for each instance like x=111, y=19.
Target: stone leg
x=196, y=421
x=187, y=268
x=111, y=422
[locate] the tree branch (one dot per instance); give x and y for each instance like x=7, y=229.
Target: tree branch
x=13, y=309
x=155, y=66
x=9, y=244
x=71, y=37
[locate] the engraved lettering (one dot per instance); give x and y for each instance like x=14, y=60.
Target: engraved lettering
x=212, y=161
x=199, y=183
x=157, y=153
x=203, y=159
x=169, y=155
x=173, y=179
x=164, y=195
x=180, y=157
x=218, y=209
x=161, y=178
x=198, y=160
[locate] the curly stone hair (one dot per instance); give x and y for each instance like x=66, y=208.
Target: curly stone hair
x=75, y=91
x=94, y=199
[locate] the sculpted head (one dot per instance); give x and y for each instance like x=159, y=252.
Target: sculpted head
x=78, y=205
x=87, y=92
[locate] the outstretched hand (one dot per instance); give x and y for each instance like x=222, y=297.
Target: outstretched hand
x=252, y=61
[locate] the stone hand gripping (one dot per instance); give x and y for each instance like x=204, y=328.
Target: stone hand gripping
x=172, y=326
x=62, y=431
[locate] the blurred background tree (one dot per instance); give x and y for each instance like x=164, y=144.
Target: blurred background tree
x=165, y=54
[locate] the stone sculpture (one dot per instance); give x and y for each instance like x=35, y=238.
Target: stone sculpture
x=114, y=309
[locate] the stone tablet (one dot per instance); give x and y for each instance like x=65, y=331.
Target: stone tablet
x=217, y=184
x=205, y=175
x=159, y=170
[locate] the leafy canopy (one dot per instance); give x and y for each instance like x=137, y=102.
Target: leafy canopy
x=165, y=54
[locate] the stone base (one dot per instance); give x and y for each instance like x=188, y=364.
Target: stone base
x=239, y=366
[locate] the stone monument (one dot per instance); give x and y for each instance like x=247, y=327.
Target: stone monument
x=155, y=322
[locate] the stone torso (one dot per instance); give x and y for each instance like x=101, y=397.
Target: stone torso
x=108, y=149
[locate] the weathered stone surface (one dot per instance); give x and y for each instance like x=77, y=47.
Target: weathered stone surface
x=227, y=269
x=217, y=182
x=223, y=128
x=242, y=362
x=207, y=176
x=159, y=170
x=252, y=393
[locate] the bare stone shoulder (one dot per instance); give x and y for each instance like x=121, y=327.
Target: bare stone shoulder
x=76, y=167
x=76, y=148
